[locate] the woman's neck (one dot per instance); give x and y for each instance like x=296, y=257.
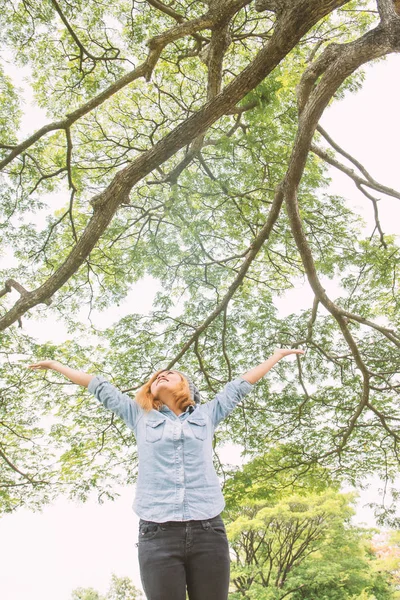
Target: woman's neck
x=170, y=401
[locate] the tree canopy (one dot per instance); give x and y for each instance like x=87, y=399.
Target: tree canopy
x=183, y=143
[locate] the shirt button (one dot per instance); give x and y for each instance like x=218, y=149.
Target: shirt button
x=179, y=448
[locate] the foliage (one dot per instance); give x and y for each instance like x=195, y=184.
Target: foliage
x=175, y=134
x=296, y=539
x=121, y=588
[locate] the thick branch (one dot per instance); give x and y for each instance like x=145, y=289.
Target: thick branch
x=293, y=25
x=276, y=6
x=341, y=62
x=219, y=43
x=372, y=45
x=387, y=9
x=213, y=57
x=11, y=283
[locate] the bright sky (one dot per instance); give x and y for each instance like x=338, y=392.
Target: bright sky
x=46, y=555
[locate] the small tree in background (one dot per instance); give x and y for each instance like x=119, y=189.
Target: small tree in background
x=86, y=594
x=121, y=588
x=294, y=538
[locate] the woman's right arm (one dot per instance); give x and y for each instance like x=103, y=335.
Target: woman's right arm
x=78, y=377
x=112, y=398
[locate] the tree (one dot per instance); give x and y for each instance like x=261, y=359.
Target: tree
x=121, y=588
x=297, y=541
x=386, y=548
x=187, y=138
x=86, y=594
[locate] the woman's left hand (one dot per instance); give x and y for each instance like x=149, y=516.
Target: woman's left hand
x=286, y=351
x=259, y=371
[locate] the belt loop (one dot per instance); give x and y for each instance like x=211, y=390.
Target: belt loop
x=206, y=525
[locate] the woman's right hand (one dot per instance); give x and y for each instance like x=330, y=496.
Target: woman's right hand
x=78, y=377
x=44, y=364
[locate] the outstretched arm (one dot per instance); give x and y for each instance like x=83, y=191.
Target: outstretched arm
x=78, y=377
x=234, y=391
x=119, y=403
x=259, y=371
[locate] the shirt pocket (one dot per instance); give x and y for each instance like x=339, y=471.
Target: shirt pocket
x=154, y=430
x=198, y=427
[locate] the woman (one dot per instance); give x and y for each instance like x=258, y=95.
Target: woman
x=182, y=540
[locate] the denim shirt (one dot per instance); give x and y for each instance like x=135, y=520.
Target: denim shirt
x=176, y=477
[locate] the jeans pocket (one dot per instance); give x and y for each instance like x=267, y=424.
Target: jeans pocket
x=148, y=531
x=217, y=525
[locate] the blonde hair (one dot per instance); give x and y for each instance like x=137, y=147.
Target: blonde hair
x=181, y=394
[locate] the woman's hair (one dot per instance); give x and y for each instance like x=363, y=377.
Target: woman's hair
x=181, y=394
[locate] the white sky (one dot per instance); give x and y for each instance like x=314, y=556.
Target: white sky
x=46, y=555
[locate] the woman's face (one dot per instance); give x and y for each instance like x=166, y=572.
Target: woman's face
x=165, y=381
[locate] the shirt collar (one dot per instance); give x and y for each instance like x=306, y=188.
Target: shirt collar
x=189, y=409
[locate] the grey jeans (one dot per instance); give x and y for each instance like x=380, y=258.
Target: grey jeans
x=175, y=556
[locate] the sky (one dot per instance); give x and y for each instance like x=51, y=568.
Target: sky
x=46, y=555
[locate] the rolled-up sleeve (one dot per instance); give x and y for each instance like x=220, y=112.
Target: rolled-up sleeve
x=224, y=402
x=113, y=399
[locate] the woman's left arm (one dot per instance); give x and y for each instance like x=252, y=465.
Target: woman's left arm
x=234, y=391
x=259, y=371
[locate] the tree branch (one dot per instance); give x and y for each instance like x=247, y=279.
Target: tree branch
x=332, y=69
x=367, y=180
x=82, y=49
x=387, y=10
x=11, y=283
x=156, y=45
x=255, y=247
x=167, y=10
x=17, y=470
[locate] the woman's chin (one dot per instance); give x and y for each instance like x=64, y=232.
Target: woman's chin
x=160, y=390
